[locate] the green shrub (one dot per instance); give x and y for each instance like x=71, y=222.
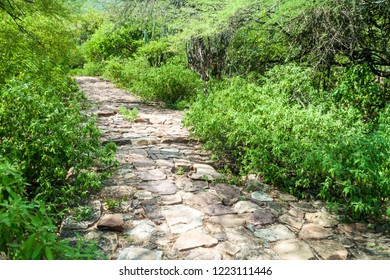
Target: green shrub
x=43, y=129
x=27, y=232
x=302, y=146
x=170, y=83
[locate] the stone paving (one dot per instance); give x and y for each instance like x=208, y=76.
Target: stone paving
x=167, y=201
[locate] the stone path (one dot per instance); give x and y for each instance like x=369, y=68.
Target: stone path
x=166, y=201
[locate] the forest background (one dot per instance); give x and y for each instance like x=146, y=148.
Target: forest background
x=294, y=91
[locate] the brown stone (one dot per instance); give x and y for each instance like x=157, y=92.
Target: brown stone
x=314, y=231
x=330, y=249
x=112, y=222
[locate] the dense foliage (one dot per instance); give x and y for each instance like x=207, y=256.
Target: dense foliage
x=50, y=154
x=295, y=91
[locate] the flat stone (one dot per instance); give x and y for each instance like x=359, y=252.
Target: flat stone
x=144, y=141
x=329, y=249
x=171, y=199
x=142, y=195
x=293, y=249
x=165, y=187
x=205, y=172
x=262, y=217
x=185, y=184
x=181, y=218
x=228, y=248
x=304, y=206
x=119, y=141
x=113, y=222
x=142, y=230
x=292, y=221
x=153, y=211
x=152, y=175
x=261, y=196
x=245, y=207
x=228, y=221
x=323, y=219
x=135, y=253
x=201, y=199
x=274, y=233
x=175, y=139
x=162, y=163
x=75, y=223
x=217, y=210
x=314, y=231
x=204, y=254
x=229, y=194
x=193, y=239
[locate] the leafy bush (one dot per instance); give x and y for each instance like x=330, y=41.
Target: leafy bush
x=302, y=146
x=170, y=83
x=43, y=129
x=27, y=232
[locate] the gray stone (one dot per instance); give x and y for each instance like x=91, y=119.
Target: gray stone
x=293, y=249
x=171, y=199
x=329, y=249
x=229, y=194
x=261, y=196
x=262, y=217
x=205, y=172
x=153, y=211
x=274, y=233
x=135, y=253
x=113, y=222
x=142, y=230
x=152, y=175
x=182, y=218
x=217, y=210
x=245, y=207
x=142, y=195
x=165, y=187
x=193, y=239
x=314, y=231
x=185, y=184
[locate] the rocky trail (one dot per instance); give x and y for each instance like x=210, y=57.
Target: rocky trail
x=167, y=201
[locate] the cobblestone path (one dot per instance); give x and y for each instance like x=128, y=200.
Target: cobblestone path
x=167, y=201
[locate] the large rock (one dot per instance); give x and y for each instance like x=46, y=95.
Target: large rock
x=229, y=194
x=293, y=249
x=262, y=217
x=112, y=222
x=245, y=207
x=164, y=187
x=142, y=230
x=218, y=210
x=205, y=172
x=152, y=175
x=314, y=231
x=274, y=233
x=204, y=254
x=153, y=211
x=329, y=249
x=323, y=219
x=193, y=239
x=182, y=218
